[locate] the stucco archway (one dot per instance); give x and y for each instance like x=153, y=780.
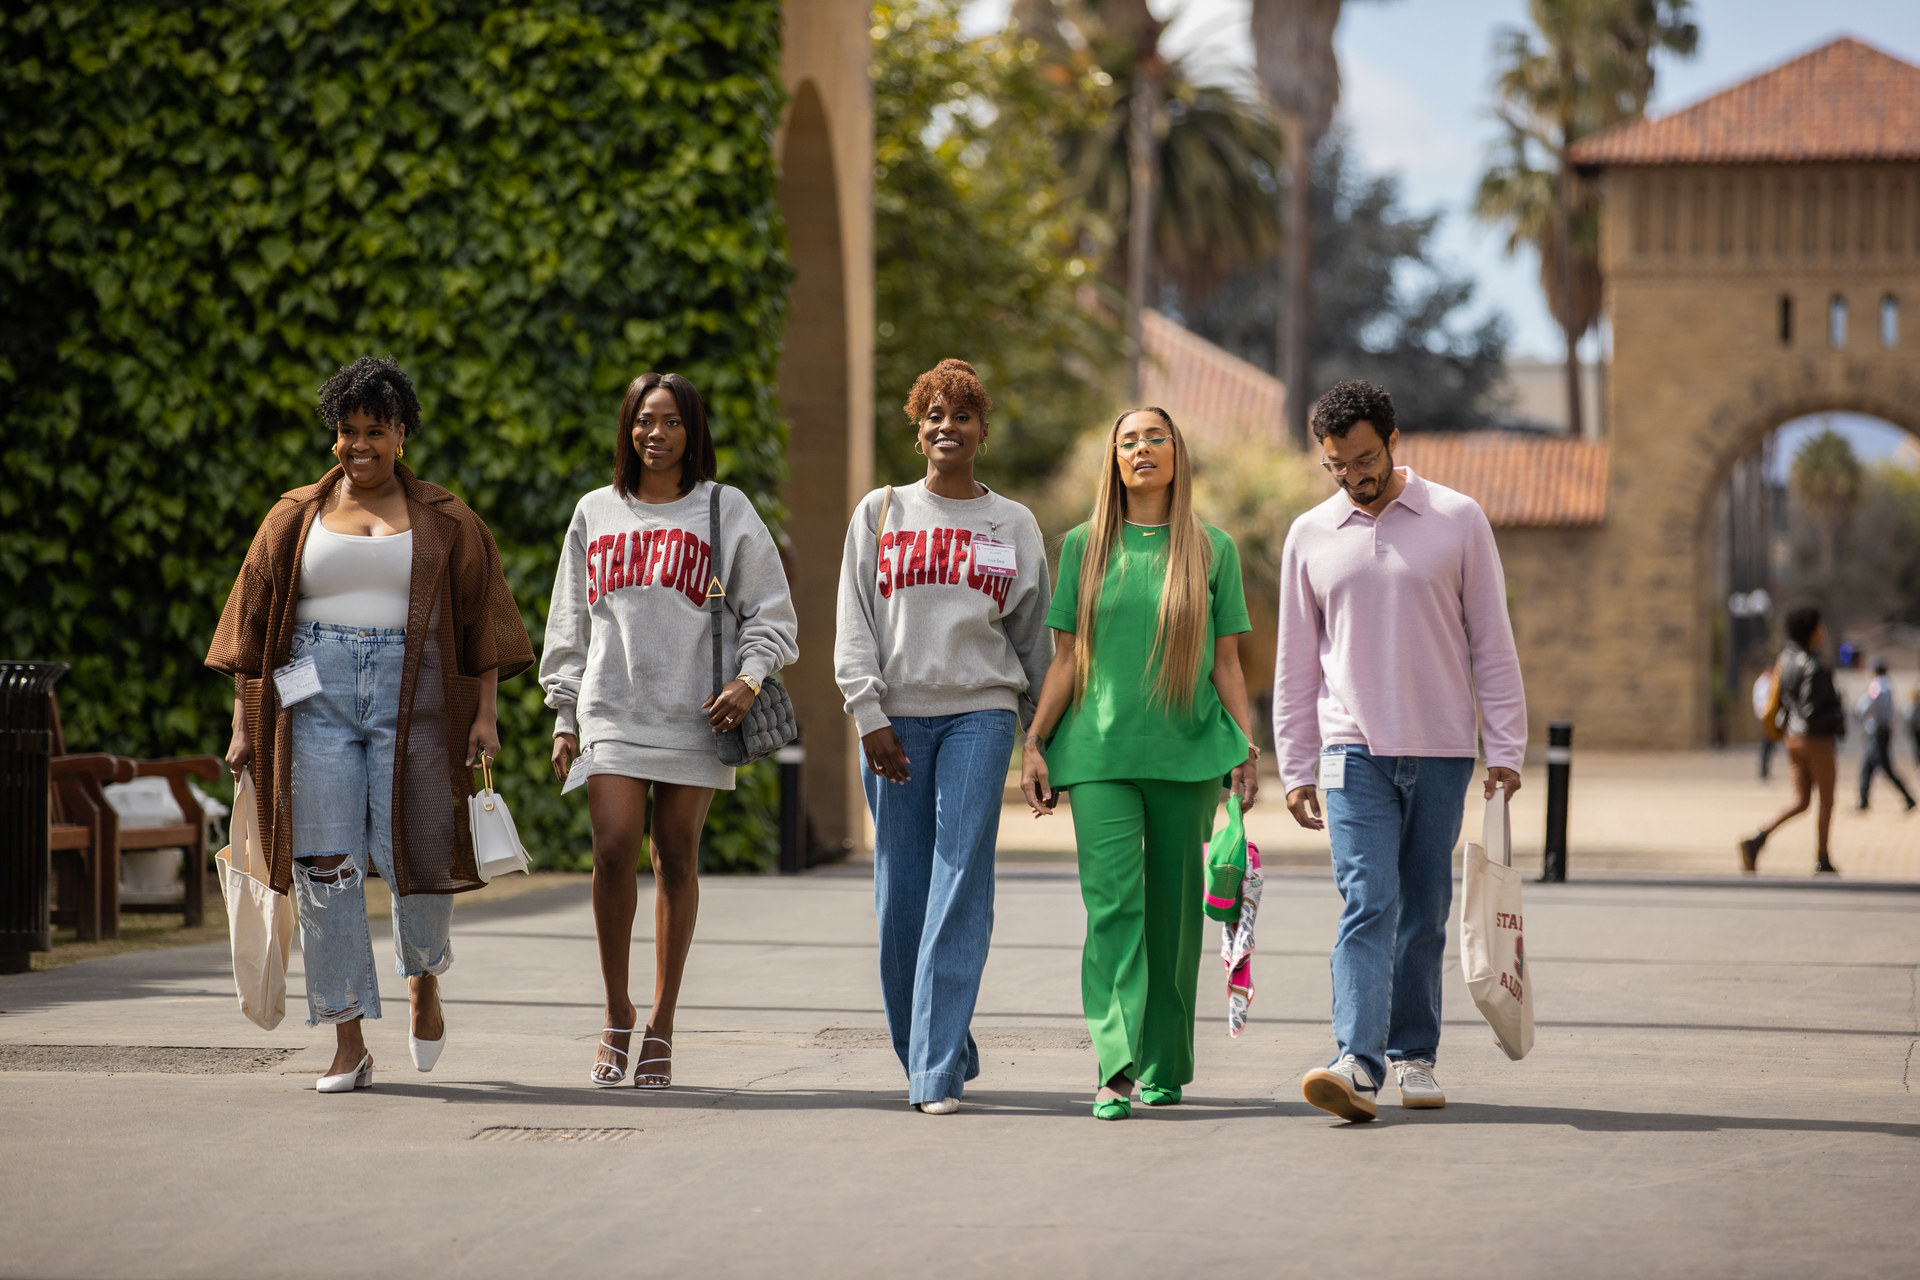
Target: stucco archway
x=825, y=145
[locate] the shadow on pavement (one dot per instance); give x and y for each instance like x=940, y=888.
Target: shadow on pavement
x=1592, y=1121
x=985, y=1102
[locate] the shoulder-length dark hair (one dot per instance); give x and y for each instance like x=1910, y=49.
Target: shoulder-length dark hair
x=697, y=464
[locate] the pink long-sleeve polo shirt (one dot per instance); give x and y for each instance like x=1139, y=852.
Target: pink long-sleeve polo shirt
x=1390, y=628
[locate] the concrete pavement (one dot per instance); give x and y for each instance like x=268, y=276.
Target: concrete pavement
x=1722, y=1086
x=1630, y=814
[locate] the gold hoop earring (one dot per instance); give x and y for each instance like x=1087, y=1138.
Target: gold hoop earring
x=918, y=448
x=983, y=448
x=400, y=452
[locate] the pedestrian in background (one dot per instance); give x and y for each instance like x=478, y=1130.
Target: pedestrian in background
x=940, y=647
x=628, y=670
x=1913, y=723
x=1815, y=724
x=1876, y=713
x=1763, y=709
x=1393, y=626
x=366, y=636
x=1142, y=717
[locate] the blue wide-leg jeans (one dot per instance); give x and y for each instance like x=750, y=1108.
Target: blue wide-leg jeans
x=1393, y=826
x=933, y=889
x=343, y=745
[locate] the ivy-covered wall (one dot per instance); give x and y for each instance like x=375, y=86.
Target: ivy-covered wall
x=207, y=209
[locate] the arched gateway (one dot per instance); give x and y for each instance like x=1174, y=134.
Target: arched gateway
x=1761, y=255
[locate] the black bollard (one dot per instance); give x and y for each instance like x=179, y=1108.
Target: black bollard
x=793, y=814
x=1559, y=767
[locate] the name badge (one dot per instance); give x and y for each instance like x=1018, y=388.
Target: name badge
x=297, y=681
x=995, y=558
x=1333, y=769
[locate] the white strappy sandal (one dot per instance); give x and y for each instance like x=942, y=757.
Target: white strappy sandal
x=608, y=1072
x=653, y=1079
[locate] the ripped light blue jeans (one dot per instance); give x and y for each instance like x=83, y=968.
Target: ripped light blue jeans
x=342, y=765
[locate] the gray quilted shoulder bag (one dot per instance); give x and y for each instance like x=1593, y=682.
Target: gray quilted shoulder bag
x=769, y=724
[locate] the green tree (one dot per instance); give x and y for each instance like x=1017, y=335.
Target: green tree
x=1201, y=158
x=1293, y=53
x=1829, y=482
x=1385, y=311
x=1590, y=67
x=978, y=250
x=205, y=210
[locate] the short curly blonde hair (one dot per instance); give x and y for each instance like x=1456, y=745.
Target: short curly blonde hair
x=953, y=381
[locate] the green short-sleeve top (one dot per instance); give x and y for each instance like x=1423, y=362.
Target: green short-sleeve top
x=1118, y=729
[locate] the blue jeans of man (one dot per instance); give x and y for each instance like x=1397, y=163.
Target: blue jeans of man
x=1393, y=826
x=933, y=889
x=342, y=766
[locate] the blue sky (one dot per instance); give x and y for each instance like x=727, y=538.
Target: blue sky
x=1416, y=85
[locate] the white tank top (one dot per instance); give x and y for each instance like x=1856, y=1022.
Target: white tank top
x=354, y=581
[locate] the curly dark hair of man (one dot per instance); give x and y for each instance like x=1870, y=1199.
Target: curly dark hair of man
x=1801, y=622
x=953, y=381
x=1347, y=403
x=373, y=385
x=698, y=463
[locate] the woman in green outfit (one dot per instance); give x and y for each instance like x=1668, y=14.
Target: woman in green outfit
x=1151, y=708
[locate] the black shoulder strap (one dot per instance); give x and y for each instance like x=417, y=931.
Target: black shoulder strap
x=716, y=594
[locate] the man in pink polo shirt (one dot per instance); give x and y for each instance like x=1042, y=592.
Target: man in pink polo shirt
x=1393, y=623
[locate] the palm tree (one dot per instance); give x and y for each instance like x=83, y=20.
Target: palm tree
x=1829, y=481
x=1293, y=54
x=1183, y=168
x=1591, y=68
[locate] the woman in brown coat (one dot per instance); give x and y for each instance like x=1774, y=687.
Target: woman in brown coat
x=366, y=635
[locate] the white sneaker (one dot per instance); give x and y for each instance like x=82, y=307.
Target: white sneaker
x=944, y=1107
x=1346, y=1089
x=1418, y=1088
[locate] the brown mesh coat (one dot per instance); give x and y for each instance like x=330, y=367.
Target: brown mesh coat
x=461, y=624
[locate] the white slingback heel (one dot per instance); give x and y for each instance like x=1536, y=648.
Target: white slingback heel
x=361, y=1077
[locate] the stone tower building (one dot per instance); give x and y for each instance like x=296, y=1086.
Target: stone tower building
x=1761, y=256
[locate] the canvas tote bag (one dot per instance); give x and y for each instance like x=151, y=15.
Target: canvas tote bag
x=260, y=921
x=1493, y=952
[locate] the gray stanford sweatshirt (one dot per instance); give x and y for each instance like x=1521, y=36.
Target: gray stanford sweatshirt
x=942, y=612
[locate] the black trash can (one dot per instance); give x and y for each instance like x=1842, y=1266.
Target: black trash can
x=26, y=747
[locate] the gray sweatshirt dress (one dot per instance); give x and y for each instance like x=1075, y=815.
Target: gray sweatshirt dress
x=629, y=656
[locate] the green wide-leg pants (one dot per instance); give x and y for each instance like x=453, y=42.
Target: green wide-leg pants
x=1140, y=844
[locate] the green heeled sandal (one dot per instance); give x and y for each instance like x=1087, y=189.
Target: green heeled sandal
x=1113, y=1109
x=1155, y=1096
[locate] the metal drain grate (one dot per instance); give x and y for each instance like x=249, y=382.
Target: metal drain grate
x=986, y=1037
x=523, y=1133
x=122, y=1059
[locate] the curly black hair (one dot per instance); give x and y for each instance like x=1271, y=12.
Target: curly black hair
x=1348, y=403
x=375, y=385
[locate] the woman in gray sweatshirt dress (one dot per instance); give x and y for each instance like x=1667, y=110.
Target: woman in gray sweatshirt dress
x=940, y=646
x=628, y=670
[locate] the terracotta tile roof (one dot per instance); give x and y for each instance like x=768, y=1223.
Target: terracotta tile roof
x=1843, y=101
x=1519, y=480
x=1200, y=383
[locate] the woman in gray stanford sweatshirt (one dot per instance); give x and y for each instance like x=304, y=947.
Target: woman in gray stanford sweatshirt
x=628, y=668
x=941, y=642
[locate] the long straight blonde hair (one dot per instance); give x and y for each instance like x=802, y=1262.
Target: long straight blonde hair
x=1180, y=632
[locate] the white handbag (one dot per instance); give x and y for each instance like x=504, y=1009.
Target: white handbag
x=260, y=921
x=1493, y=950
x=497, y=850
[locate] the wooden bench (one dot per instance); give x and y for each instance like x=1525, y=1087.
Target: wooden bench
x=88, y=836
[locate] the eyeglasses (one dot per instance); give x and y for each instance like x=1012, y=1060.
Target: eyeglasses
x=1365, y=462
x=1155, y=442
